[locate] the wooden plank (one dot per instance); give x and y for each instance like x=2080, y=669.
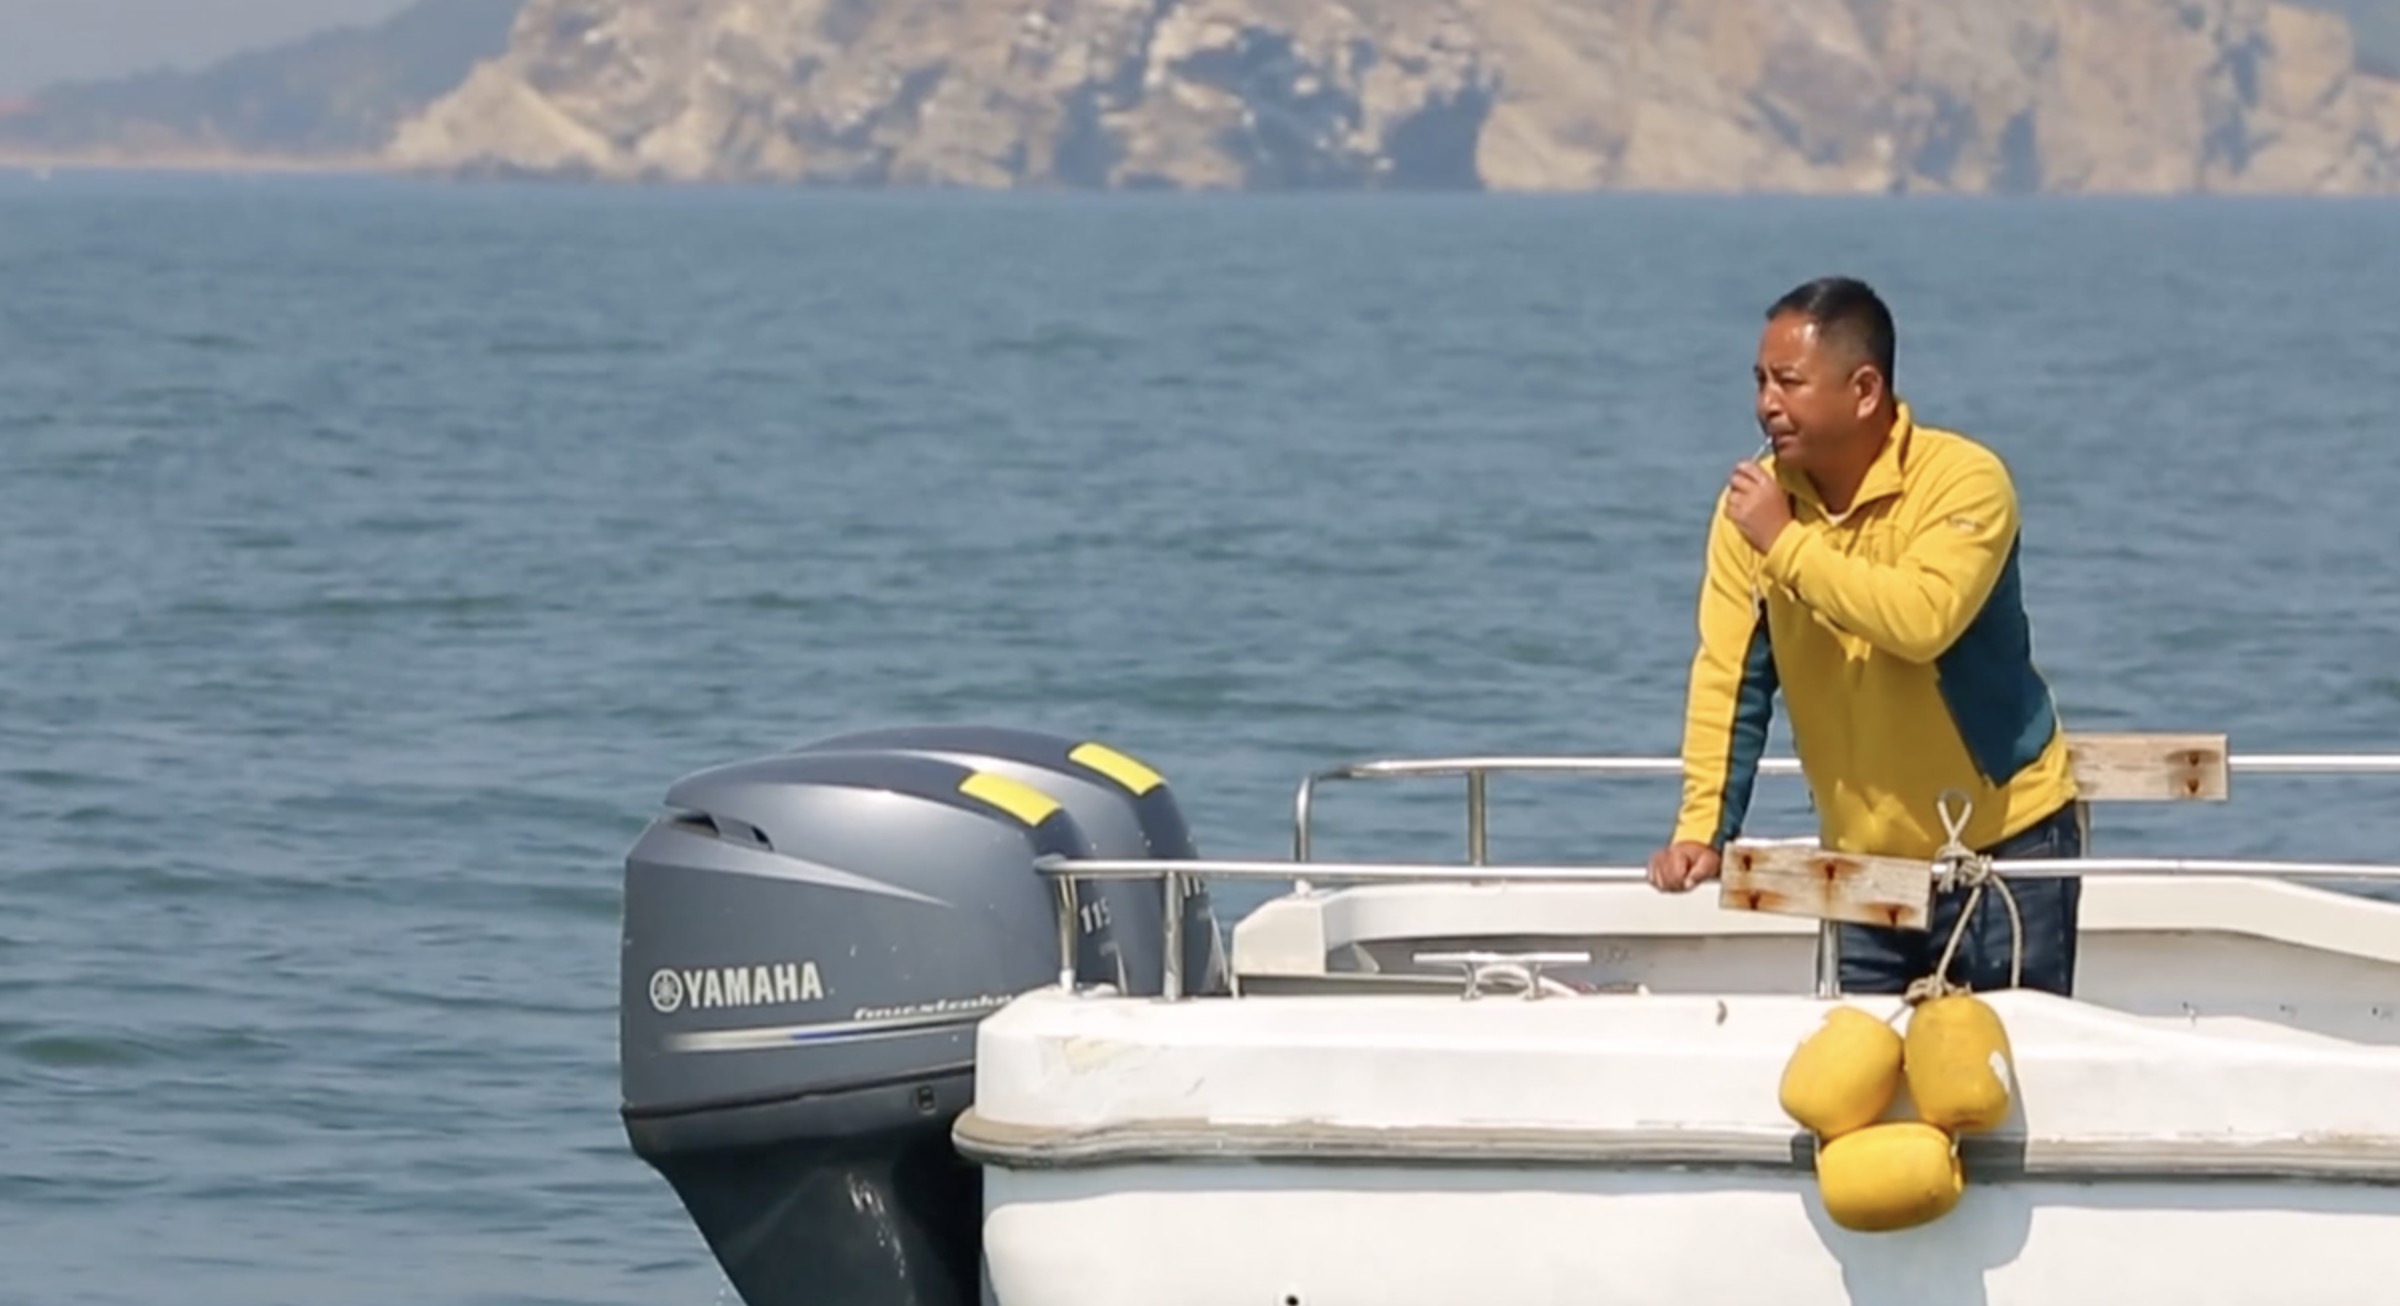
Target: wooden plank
x=2150, y=768
x=1804, y=880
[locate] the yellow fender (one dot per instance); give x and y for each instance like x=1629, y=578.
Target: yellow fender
x=1890, y=1176
x=1843, y=1075
x=1960, y=1069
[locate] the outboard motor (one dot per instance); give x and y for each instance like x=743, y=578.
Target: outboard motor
x=1127, y=811
x=809, y=942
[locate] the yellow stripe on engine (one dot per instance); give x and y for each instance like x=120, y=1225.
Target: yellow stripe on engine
x=1118, y=767
x=1014, y=797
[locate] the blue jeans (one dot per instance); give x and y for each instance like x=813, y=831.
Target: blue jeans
x=1880, y=960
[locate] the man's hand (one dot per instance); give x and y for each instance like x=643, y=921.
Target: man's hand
x=1679, y=867
x=1756, y=505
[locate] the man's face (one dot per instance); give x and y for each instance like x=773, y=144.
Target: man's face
x=1812, y=398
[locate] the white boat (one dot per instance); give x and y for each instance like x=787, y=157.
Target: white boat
x=1443, y=1084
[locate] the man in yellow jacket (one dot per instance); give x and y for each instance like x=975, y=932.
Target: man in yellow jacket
x=1869, y=570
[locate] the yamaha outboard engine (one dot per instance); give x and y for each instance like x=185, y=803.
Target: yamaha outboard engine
x=810, y=939
x=1127, y=811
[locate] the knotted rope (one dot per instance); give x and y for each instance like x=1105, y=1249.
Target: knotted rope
x=1958, y=866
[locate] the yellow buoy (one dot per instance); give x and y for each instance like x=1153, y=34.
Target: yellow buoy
x=1959, y=1067
x=1889, y=1176
x=1843, y=1075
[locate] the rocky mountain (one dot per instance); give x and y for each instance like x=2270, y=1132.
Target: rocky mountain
x=1712, y=95
x=338, y=94
x=1871, y=96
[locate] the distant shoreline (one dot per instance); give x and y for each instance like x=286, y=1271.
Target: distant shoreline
x=19, y=161
x=25, y=163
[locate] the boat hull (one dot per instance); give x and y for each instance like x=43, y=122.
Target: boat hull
x=1205, y=1234
x=1344, y=1150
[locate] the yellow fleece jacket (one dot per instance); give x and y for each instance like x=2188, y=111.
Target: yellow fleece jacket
x=1898, y=637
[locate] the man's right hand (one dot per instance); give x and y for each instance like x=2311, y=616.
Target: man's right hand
x=1679, y=867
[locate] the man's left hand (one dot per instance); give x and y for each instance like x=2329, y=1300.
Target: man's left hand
x=1756, y=505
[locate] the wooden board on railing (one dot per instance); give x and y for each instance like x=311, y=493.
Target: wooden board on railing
x=1805, y=880
x=1801, y=879
x=2150, y=768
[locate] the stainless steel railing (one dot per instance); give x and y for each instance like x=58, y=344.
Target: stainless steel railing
x=1302, y=871
x=1478, y=770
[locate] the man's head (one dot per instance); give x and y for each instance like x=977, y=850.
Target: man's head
x=1824, y=376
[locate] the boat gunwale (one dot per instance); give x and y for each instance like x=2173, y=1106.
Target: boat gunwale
x=2320, y=1159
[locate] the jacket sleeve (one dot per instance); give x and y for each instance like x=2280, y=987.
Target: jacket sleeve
x=1919, y=605
x=1731, y=698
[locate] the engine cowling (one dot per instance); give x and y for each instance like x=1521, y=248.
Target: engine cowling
x=810, y=939
x=1128, y=811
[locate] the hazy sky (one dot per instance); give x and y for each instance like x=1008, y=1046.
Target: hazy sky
x=44, y=41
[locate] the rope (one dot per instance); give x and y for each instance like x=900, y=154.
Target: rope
x=1957, y=866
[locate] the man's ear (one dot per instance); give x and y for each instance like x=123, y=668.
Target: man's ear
x=1866, y=389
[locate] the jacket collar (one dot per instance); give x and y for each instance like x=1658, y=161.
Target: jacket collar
x=1884, y=475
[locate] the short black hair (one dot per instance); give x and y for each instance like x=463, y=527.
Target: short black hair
x=1850, y=310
